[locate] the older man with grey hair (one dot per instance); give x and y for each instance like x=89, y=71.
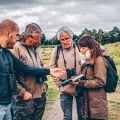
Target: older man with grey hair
x=31, y=98
x=64, y=29
x=67, y=57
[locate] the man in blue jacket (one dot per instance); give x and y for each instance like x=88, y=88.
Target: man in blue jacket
x=9, y=64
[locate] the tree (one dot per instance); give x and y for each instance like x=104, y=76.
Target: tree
x=75, y=38
x=99, y=36
x=43, y=39
x=114, y=33
x=94, y=33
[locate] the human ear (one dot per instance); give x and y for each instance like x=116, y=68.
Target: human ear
x=8, y=34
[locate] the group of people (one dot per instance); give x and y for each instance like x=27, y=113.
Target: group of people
x=23, y=76
x=13, y=70
x=84, y=58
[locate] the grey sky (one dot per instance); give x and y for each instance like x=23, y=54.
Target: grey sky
x=53, y=14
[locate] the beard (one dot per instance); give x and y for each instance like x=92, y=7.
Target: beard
x=67, y=45
x=9, y=44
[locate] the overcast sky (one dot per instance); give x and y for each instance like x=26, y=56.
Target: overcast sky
x=53, y=14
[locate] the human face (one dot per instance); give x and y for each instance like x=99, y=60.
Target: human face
x=34, y=40
x=11, y=39
x=66, y=40
x=83, y=50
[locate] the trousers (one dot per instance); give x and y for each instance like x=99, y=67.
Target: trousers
x=5, y=112
x=66, y=105
x=32, y=109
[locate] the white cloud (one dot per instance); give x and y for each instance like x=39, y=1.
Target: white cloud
x=53, y=14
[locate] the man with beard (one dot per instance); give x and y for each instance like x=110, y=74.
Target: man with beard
x=27, y=49
x=9, y=64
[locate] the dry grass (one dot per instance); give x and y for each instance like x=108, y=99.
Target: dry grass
x=114, y=105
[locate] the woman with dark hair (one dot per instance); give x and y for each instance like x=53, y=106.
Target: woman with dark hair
x=94, y=68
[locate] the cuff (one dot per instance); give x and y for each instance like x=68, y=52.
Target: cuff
x=81, y=83
x=47, y=71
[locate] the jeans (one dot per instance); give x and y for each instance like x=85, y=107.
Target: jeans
x=13, y=110
x=5, y=112
x=66, y=105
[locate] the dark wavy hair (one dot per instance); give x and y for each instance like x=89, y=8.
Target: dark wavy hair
x=90, y=42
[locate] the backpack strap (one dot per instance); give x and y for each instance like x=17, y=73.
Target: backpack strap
x=30, y=55
x=59, y=48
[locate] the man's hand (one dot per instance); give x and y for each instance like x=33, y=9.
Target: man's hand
x=57, y=72
x=27, y=95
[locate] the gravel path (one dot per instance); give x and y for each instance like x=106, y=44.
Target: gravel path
x=55, y=112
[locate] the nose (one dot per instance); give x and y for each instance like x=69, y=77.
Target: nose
x=81, y=50
x=15, y=39
x=65, y=41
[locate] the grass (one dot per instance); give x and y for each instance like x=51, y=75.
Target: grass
x=52, y=93
x=113, y=103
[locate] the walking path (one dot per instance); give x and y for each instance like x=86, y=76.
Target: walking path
x=55, y=112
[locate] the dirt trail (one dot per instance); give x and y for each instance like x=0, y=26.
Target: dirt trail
x=55, y=112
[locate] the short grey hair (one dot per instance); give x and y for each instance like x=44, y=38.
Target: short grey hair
x=32, y=28
x=64, y=29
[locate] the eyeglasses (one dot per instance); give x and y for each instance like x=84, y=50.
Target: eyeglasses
x=65, y=39
x=18, y=35
x=35, y=37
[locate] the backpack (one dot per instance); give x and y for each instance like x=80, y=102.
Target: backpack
x=112, y=76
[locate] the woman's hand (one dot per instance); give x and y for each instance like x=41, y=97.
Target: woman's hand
x=75, y=83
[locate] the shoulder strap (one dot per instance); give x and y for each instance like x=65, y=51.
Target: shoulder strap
x=42, y=65
x=30, y=55
x=59, y=48
x=74, y=45
x=110, y=61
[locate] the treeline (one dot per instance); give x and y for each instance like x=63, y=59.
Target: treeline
x=100, y=35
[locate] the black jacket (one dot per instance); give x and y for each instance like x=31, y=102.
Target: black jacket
x=8, y=65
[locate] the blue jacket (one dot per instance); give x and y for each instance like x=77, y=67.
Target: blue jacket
x=8, y=65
